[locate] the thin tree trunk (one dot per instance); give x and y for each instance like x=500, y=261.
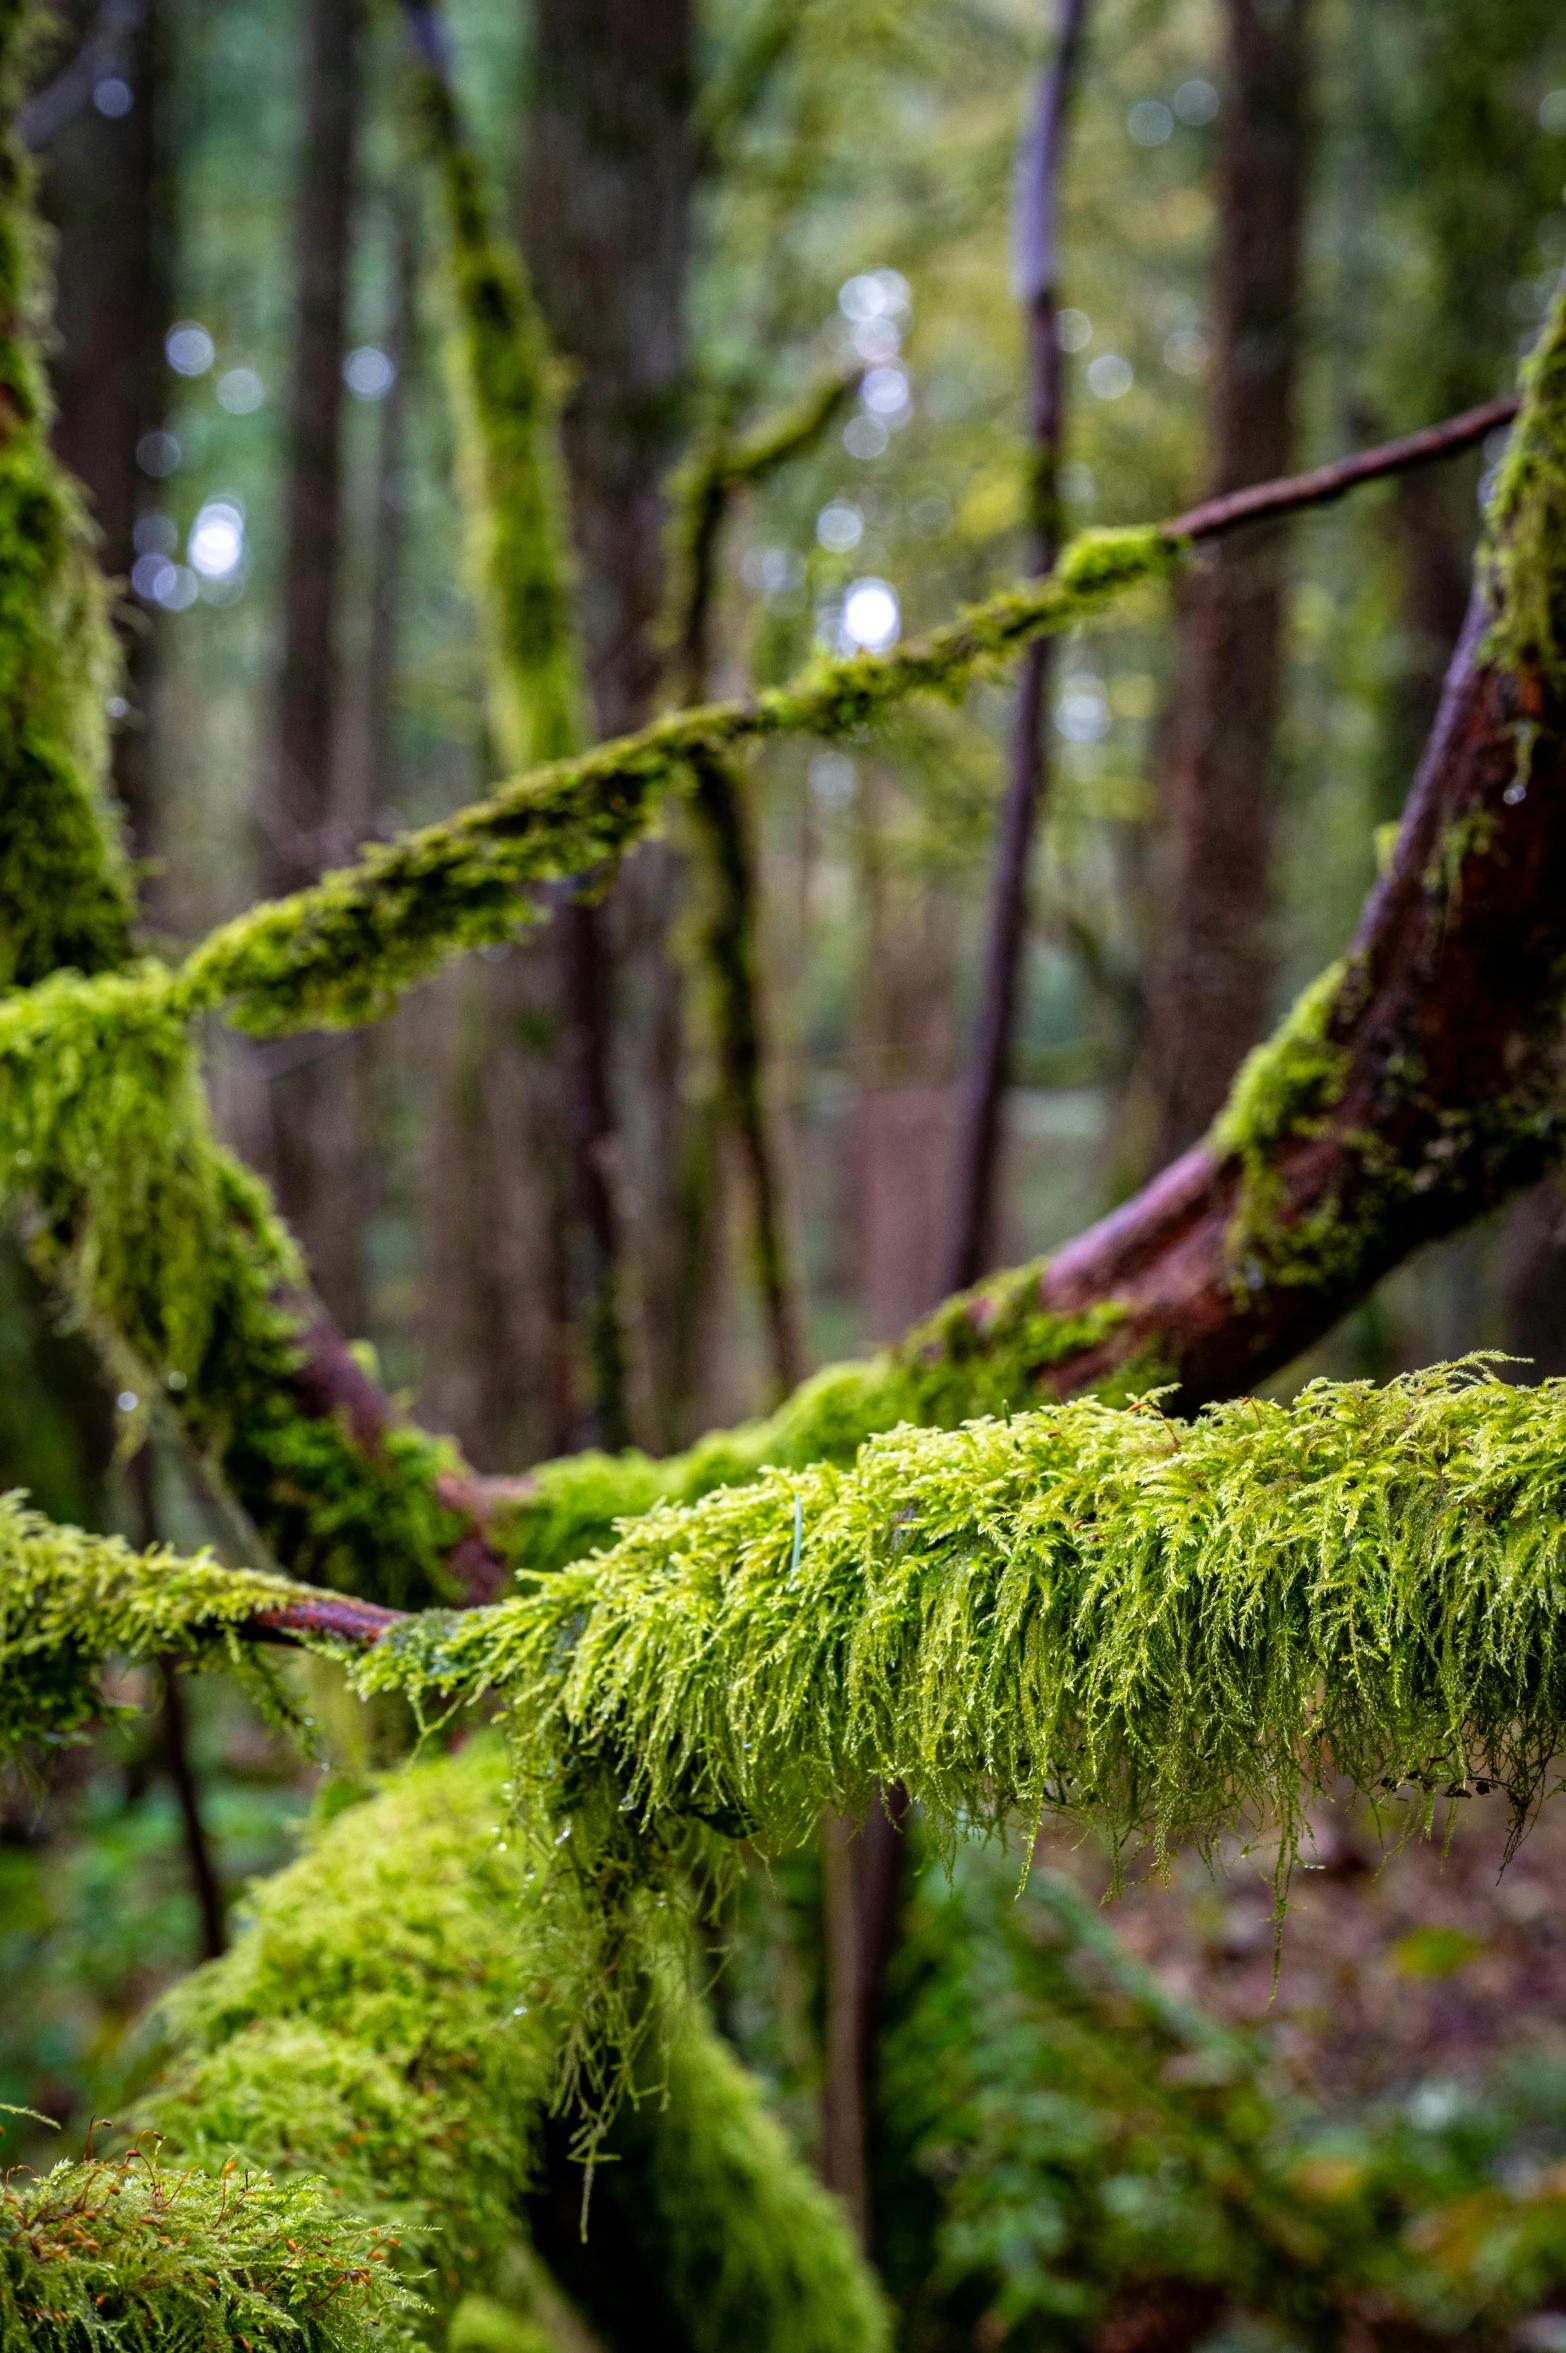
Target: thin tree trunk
x=176, y=1735
x=203, y=1875
x=1038, y=245
x=1212, y=983
x=313, y=1105
x=105, y=195
x=607, y=199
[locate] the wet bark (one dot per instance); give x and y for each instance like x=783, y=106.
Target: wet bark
x=1212, y=982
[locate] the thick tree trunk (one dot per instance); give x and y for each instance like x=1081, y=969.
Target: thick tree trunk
x=313, y=1103
x=607, y=198
x=1212, y=982
x=103, y=193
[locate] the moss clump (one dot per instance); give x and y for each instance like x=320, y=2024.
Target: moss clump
x=388, y=2017
x=174, y=1257
x=1525, y=551
x=134, y=2257
x=1285, y=1091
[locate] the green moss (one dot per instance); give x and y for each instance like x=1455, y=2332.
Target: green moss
x=173, y=1256
x=65, y=895
x=136, y=2257
x=504, y=384
x=989, y=1350
x=383, y=2018
x=1525, y=546
x=1285, y=1091
x=342, y=951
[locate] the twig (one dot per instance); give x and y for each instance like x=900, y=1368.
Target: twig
x=1326, y=483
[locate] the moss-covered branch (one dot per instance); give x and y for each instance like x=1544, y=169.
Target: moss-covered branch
x=137, y=2257
x=70, y=1601
x=503, y=379
x=341, y=951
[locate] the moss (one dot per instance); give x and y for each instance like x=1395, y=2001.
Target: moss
x=65, y=895
x=989, y=1350
x=175, y=1260
x=382, y=2018
x=343, y=950
x=69, y=1601
x=1285, y=1091
x=1524, y=558
x=136, y=2257
x=504, y=382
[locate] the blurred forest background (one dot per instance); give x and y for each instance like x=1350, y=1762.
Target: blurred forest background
x=1288, y=228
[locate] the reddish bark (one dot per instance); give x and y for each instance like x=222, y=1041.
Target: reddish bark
x=1450, y=1024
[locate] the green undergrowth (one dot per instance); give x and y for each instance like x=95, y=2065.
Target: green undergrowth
x=387, y=2017
x=1062, y=2142
x=135, y=2256
x=1058, y=2134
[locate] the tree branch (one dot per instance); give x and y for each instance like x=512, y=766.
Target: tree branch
x=1323, y=484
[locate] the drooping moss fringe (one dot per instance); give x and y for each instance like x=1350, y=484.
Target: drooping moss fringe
x=383, y=2019
x=136, y=2257
x=1167, y=1628
x=171, y=1253
x=341, y=952
x=513, y=497
x=65, y=893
